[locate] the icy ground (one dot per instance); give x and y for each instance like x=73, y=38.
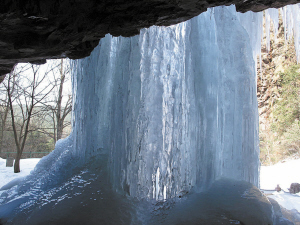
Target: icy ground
x=283, y=173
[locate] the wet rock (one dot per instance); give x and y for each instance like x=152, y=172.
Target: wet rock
x=294, y=188
x=278, y=188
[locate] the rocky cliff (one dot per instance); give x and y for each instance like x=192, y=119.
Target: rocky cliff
x=274, y=61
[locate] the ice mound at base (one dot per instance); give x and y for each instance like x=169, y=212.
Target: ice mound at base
x=85, y=198
x=83, y=195
x=165, y=131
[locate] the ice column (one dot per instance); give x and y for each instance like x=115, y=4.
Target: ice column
x=173, y=108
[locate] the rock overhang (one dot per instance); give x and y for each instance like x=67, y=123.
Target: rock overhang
x=36, y=30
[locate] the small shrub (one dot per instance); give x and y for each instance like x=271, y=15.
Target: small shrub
x=287, y=108
x=283, y=139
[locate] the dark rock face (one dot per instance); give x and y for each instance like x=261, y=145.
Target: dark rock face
x=36, y=30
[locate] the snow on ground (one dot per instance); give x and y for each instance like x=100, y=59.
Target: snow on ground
x=7, y=173
x=283, y=174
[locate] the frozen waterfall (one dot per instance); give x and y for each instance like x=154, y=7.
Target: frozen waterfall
x=172, y=108
x=165, y=131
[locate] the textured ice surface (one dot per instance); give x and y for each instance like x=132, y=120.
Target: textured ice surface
x=172, y=108
x=157, y=119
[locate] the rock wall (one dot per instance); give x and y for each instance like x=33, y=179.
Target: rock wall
x=280, y=55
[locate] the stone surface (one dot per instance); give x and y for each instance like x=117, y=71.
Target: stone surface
x=294, y=188
x=36, y=30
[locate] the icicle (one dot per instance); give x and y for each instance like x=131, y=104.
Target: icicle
x=274, y=18
x=260, y=65
x=267, y=27
x=295, y=15
x=284, y=22
x=291, y=23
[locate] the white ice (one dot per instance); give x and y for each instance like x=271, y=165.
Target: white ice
x=180, y=100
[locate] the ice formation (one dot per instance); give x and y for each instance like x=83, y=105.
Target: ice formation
x=291, y=23
x=157, y=119
x=172, y=108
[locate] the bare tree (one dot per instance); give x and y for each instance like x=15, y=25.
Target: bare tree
x=25, y=90
x=59, y=104
x=4, y=109
x=61, y=111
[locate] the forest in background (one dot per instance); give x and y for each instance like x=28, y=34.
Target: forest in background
x=35, y=109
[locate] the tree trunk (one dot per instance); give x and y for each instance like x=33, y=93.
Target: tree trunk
x=4, y=118
x=17, y=163
x=59, y=101
x=59, y=130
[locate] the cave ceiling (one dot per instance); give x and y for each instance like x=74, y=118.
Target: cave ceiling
x=36, y=30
